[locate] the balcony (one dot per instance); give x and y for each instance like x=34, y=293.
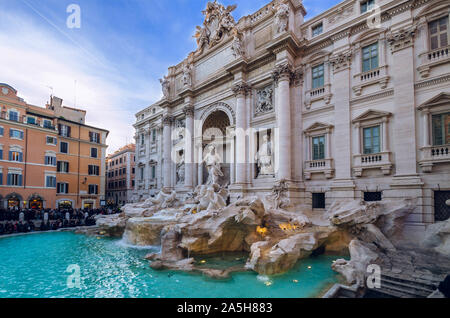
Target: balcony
x=324, y=166
x=380, y=160
x=373, y=77
x=434, y=155
x=316, y=94
x=431, y=59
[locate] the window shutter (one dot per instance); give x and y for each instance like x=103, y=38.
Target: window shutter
x=89, y=170
x=1, y=178
x=20, y=157
x=10, y=156
x=69, y=129
x=20, y=180
x=90, y=136
x=8, y=182
x=1, y=154
x=21, y=135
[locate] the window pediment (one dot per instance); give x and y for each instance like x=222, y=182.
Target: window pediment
x=371, y=115
x=318, y=127
x=439, y=100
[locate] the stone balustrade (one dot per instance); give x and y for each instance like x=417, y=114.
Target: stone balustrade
x=433, y=155
x=378, y=76
x=433, y=58
x=324, y=166
x=380, y=160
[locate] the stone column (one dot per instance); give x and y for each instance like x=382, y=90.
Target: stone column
x=282, y=75
x=240, y=90
x=167, y=135
x=188, y=149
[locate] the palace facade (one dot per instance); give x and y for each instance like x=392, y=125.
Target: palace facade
x=49, y=157
x=120, y=175
x=352, y=104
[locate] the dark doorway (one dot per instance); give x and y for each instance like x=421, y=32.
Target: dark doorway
x=441, y=209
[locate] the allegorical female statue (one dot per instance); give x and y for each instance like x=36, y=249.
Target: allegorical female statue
x=264, y=157
x=213, y=162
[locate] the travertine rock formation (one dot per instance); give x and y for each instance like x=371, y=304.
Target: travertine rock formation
x=437, y=237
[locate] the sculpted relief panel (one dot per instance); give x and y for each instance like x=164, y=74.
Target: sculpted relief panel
x=264, y=102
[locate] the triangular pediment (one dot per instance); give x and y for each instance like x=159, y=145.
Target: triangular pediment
x=318, y=126
x=441, y=99
x=371, y=114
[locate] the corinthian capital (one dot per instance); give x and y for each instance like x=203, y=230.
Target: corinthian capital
x=341, y=60
x=282, y=71
x=241, y=89
x=189, y=111
x=167, y=120
x=401, y=39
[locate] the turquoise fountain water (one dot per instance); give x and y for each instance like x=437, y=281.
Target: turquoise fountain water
x=34, y=266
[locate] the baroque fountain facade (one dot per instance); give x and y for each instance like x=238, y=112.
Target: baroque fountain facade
x=260, y=142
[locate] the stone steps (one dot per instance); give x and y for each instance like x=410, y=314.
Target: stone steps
x=401, y=286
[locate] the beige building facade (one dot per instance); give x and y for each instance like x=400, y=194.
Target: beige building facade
x=352, y=104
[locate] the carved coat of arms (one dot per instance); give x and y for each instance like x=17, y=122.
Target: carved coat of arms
x=218, y=22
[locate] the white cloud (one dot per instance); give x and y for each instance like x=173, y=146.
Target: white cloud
x=33, y=56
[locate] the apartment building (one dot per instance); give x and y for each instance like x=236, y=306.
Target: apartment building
x=120, y=175
x=49, y=157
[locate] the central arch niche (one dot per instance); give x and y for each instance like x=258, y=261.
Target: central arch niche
x=214, y=131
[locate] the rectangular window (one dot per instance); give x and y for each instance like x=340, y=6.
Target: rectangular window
x=62, y=188
x=13, y=115
x=153, y=172
x=14, y=179
x=318, y=200
x=94, y=152
x=371, y=140
x=2, y=131
x=50, y=161
x=48, y=124
x=94, y=137
x=31, y=120
x=372, y=196
x=17, y=134
x=63, y=147
x=51, y=140
x=318, y=29
x=441, y=129
x=142, y=139
x=93, y=170
x=63, y=167
x=318, y=148
x=154, y=135
x=370, y=57
x=439, y=34
x=367, y=6
x=1, y=178
x=93, y=189
x=141, y=174
x=15, y=156
x=50, y=181
x=64, y=130
x=1, y=154
x=318, y=76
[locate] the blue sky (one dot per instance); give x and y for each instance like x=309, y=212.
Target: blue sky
x=110, y=66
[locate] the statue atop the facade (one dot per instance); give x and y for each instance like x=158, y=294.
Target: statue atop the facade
x=264, y=157
x=165, y=86
x=281, y=18
x=187, y=75
x=213, y=165
x=218, y=22
x=237, y=47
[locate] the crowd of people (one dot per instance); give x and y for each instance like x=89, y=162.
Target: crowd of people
x=30, y=220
